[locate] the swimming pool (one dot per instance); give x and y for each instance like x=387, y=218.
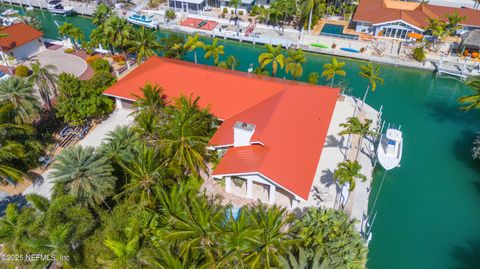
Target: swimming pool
x=335, y=30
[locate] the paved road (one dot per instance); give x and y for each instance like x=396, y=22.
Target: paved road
x=118, y=118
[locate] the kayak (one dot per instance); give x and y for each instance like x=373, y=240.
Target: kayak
x=320, y=45
x=350, y=50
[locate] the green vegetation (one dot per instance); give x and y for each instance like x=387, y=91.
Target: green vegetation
x=372, y=74
x=170, y=14
x=354, y=126
x=18, y=92
x=45, y=79
x=294, y=63
x=274, y=57
x=193, y=43
x=172, y=46
x=100, y=65
x=418, y=54
x=69, y=30
x=313, y=78
x=347, y=173
x=330, y=70
x=214, y=50
x=22, y=71
x=79, y=100
x=143, y=43
x=135, y=202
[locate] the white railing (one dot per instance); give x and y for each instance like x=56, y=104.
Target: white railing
x=340, y=36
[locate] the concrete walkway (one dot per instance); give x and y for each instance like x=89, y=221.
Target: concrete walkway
x=118, y=118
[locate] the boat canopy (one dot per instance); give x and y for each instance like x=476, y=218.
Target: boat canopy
x=393, y=134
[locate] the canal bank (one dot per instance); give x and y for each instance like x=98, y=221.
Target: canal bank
x=428, y=213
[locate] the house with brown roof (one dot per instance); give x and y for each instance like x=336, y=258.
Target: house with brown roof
x=396, y=19
x=20, y=43
x=273, y=136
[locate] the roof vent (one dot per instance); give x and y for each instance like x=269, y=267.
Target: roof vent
x=242, y=133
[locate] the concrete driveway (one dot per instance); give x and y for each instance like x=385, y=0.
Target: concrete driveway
x=119, y=117
x=63, y=61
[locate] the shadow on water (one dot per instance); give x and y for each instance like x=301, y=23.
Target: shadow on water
x=467, y=256
x=443, y=111
x=462, y=150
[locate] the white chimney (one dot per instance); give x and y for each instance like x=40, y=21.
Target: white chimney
x=242, y=133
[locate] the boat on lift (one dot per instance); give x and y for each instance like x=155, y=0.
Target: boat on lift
x=56, y=7
x=10, y=12
x=389, y=151
x=143, y=20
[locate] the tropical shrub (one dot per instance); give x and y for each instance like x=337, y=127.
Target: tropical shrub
x=90, y=59
x=240, y=12
x=225, y=10
x=170, y=14
x=100, y=65
x=22, y=71
x=69, y=50
x=118, y=58
x=79, y=100
x=419, y=54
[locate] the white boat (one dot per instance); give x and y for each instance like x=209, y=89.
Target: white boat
x=389, y=151
x=10, y=12
x=56, y=7
x=143, y=20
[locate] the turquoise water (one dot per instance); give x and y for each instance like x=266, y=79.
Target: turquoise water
x=334, y=29
x=428, y=211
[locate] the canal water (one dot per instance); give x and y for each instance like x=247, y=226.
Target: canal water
x=428, y=212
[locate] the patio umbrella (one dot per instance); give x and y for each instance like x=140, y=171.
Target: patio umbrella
x=415, y=35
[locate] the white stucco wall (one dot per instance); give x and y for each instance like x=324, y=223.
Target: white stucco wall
x=27, y=50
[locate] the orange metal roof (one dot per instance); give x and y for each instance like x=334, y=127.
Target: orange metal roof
x=416, y=14
x=291, y=119
x=18, y=35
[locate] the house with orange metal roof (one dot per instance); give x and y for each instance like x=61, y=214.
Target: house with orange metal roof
x=21, y=42
x=273, y=131
x=397, y=19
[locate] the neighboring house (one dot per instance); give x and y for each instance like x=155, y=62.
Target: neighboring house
x=189, y=6
x=273, y=131
x=396, y=19
x=244, y=5
x=21, y=42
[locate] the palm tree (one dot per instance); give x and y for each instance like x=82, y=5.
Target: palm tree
x=472, y=101
x=143, y=43
x=19, y=92
x=117, y=31
x=193, y=43
x=78, y=36
x=332, y=233
x=194, y=224
x=232, y=62
x=152, y=99
x=65, y=29
x=330, y=70
x=307, y=7
x=45, y=78
x=239, y=240
x=372, y=73
x=86, y=175
x=452, y=23
x=354, y=126
x=313, y=78
x=184, y=135
x=294, y=63
x=273, y=56
x=10, y=149
x=15, y=229
x=304, y=259
x=214, y=50
x=101, y=14
x=347, y=172
x=119, y=144
x=274, y=236
x=145, y=170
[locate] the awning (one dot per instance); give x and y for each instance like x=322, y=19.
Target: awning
x=415, y=35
